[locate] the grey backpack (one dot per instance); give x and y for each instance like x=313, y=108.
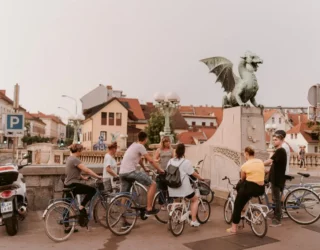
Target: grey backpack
x=173, y=178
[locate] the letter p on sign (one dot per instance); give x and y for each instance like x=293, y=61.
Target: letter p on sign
x=13, y=121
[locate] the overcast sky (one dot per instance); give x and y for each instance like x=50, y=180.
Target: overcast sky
x=141, y=47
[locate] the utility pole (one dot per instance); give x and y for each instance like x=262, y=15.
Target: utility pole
x=16, y=109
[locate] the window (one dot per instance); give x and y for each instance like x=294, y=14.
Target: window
x=316, y=149
x=295, y=136
x=272, y=119
x=193, y=123
x=280, y=120
x=203, y=123
x=103, y=118
x=211, y=124
x=104, y=135
x=111, y=119
x=291, y=136
x=118, y=119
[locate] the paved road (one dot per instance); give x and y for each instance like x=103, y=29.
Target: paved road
x=152, y=235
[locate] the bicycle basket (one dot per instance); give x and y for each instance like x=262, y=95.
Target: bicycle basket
x=204, y=189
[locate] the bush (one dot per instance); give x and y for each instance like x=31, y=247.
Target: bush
x=34, y=139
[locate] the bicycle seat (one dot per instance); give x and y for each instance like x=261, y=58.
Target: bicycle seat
x=289, y=177
x=68, y=189
x=304, y=175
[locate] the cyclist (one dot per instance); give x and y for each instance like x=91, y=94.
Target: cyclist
x=185, y=190
x=251, y=185
x=129, y=174
x=110, y=167
x=73, y=179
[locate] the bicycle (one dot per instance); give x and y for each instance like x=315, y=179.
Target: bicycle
x=297, y=197
x=67, y=210
x=254, y=215
x=126, y=207
x=207, y=192
x=180, y=212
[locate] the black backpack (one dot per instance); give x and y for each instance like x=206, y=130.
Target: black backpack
x=173, y=178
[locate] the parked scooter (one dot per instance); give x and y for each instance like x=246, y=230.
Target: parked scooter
x=13, y=196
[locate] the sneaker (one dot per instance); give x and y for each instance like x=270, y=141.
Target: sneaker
x=125, y=225
x=284, y=214
x=152, y=212
x=194, y=224
x=275, y=223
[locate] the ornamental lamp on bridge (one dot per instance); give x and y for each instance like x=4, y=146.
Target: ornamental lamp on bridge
x=167, y=105
x=271, y=129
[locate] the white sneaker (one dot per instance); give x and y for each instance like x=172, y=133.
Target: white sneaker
x=194, y=224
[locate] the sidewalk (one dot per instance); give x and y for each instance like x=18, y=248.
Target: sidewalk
x=151, y=235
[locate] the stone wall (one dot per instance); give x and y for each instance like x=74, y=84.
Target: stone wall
x=44, y=183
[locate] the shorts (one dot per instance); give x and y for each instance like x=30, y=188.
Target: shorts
x=128, y=179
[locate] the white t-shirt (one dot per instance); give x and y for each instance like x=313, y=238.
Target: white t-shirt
x=185, y=170
x=132, y=157
x=287, y=148
x=109, y=161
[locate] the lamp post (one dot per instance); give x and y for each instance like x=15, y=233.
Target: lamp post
x=271, y=129
x=167, y=105
x=75, y=100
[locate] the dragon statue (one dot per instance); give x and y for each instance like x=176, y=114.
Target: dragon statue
x=239, y=90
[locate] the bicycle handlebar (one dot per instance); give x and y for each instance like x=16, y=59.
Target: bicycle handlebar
x=229, y=182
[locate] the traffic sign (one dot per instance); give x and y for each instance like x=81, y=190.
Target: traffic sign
x=14, y=125
x=314, y=95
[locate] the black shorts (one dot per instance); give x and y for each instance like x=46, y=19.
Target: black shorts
x=190, y=196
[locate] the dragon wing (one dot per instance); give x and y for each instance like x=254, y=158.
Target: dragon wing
x=222, y=68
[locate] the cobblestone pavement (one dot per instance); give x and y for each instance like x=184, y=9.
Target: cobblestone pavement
x=150, y=234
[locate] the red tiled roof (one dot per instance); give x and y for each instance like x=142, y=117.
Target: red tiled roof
x=295, y=118
x=29, y=116
x=134, y=106
x=209, y=132
x=44, y=116
x=305, y=131
x=267, y=114
x=200, y=111
x=7, y=99
x=188, y=137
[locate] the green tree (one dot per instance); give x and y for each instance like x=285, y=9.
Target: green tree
x=155, y=126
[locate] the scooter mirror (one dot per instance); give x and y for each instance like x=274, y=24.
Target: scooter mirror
x=25, y=156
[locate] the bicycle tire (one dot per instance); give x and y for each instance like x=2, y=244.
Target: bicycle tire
x=100, y=211
x=227, y=206
x=162, y=216
x=113, y=205
x=63, y=205
x=202, y=204
x=177, y=212
x=263, y=220
x=288, y=201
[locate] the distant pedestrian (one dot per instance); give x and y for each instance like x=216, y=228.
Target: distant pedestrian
x=302, y=157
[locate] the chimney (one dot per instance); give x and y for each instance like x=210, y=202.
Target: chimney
x=3, y=91
x=109, y=87
x=206, y=105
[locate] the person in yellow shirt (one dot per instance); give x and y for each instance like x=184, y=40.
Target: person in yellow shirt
x=252, y=177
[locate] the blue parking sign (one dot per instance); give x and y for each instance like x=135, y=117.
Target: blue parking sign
x=15, y=122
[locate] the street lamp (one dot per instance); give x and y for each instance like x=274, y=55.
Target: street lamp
x=271, y=129
x=75, y=100
x=65, y=110
x=167, y=105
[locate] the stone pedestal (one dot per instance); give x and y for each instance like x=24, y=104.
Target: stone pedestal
x=223, y=152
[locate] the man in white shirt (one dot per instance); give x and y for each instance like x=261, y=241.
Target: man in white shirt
x=128, y=173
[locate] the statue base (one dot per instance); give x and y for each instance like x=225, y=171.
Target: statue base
x=223, y=152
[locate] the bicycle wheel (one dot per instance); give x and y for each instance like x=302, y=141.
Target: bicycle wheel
x=204, y=211
x=303, y=206
x=161, y=202
x=227, y=211
x=258, y=223
x=60, y=216
x=176, y=226
x=121, y=215
x=100, y=211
